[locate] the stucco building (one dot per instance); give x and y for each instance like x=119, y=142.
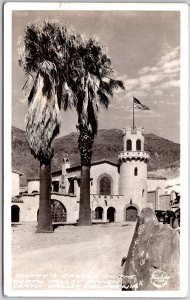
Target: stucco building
x=118, y=192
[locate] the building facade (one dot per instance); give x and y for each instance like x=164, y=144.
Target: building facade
x=118, y=192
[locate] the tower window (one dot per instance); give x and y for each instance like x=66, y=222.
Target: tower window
x=138, y=145
x=105, y=186
x=129, y=145
x=136, y=172
x=143, y=193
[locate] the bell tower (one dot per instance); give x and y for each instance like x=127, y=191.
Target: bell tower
x=133, y=168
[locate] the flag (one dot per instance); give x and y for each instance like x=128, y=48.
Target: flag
x=139, y=105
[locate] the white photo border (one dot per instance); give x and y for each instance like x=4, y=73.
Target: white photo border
x=183, y=9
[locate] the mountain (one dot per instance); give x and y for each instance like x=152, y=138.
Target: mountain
x=164, y=154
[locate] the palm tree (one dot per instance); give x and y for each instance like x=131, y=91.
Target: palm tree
x=91, y=87
x=66, y=69
x=43, y=58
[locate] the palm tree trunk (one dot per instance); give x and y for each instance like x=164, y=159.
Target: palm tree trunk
x=44, y=216
x=84, y=210
x=85, y=143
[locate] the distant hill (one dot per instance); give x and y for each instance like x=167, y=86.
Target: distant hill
x=164, y=154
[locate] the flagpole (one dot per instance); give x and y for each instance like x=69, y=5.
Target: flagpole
x=133, y=114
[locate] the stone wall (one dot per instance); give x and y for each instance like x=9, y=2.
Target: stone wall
x=29, y=207
x=118, y=202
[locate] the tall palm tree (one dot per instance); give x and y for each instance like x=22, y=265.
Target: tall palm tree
x=43, y=57
x=90, y=87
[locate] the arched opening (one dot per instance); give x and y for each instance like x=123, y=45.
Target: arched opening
x=99, y=213
x=136, y=172
x=111, y=214
x=15, y=212
x=129, y=145
x=131, y=214
x=58, y=212
x=138, y=145
x=143, y=193
x=105, y=186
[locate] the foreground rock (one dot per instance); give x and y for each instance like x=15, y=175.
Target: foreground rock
x=153, y=257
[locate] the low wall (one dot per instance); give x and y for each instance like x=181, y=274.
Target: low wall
x=30, y=205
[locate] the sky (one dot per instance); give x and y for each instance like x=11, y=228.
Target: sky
x=144, y=48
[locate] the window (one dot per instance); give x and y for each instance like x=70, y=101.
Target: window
x=55, y=185
x=143, y=193
x=136, y=172
x=105, y=186
x=138, y=145
x=129, y=145
x=71, y=187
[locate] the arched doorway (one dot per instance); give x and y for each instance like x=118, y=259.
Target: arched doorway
x=99, y=213
x=131, y=214
x=111, y=214
x=58, y=212
x=15, y=211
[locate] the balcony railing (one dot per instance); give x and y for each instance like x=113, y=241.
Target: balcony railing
x=135, y=154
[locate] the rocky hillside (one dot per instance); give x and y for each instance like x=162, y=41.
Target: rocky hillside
x=164, y=154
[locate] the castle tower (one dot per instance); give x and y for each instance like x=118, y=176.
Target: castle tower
x=65, y=166
x=133, y=169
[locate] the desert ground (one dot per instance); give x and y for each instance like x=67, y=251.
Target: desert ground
x=70, y=258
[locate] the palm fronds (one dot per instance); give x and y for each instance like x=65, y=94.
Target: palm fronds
x=68, y=69
x=42, y=122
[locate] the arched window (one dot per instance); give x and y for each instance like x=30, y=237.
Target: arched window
x=143, y=193
x=129, y=145
x=135, y=171
x=105, y=186
x=138, y=145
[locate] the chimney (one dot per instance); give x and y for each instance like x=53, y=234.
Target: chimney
x=65, y=166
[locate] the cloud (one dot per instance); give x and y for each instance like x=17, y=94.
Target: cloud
x=144, y=70
x=147, y=114
x=156, y=79
x=169, y=84
x=148, y=79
